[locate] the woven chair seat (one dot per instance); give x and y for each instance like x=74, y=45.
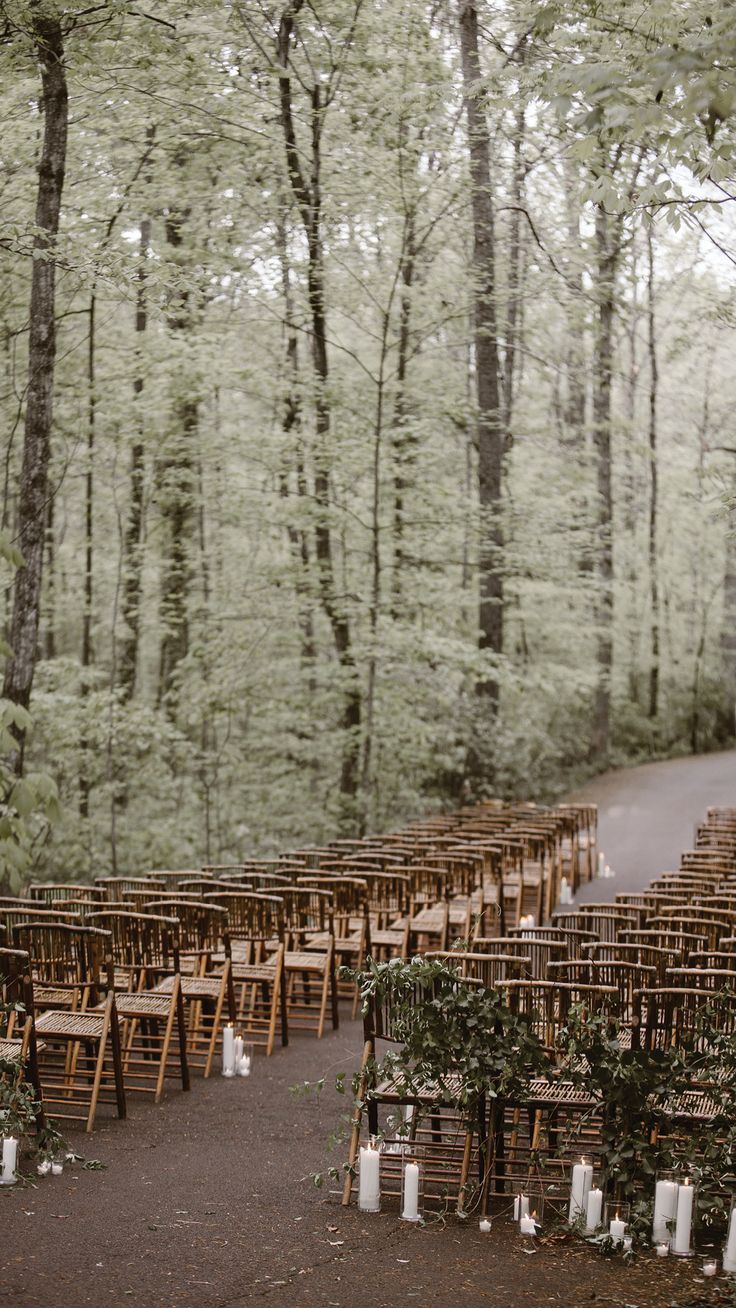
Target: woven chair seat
x=301, y=961
x=254, y=971
x=10, y=1050
x=70, y=1026
x=343, y=944
x=192, y=987
x=392, y=936
x=429, y=920
x=428, y=1093
x=540, y=1092
x=49, y=995
x=141, y=1005
x=693, y=1105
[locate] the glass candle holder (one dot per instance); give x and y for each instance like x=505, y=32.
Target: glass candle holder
x=530, y=1222
x=412, y=1187
x=665, y=1207
x=681, y=1243
x=369, y=1177
x=244, y=1057
x=729, y=1247
x=616, y=1220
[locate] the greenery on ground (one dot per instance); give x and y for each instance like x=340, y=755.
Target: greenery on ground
x=366, y=394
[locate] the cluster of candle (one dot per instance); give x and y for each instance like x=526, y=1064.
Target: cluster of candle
x=8, y=1174
x=526, y=920
x=565, y=891
x=235, y=1062
x=369, y=1179
x=673, y=1207
x=604, y=871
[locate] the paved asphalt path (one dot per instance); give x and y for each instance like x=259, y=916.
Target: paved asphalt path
x=208, y=1200
x=647, y=815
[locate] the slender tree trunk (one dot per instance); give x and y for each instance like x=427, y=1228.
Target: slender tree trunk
x=176, y=492
x=132, y=547
x=402, y=443
x=607, y=258
x=49, y=626
x=34, y=488
x=84, y=783
x=653, y=577
x=308, y=198
x=491, y=435
x=513, y=313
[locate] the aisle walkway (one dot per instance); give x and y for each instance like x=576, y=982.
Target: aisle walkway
x=647, y=815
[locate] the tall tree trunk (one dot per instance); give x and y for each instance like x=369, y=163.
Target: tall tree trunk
x=606, y=267
x=49, y=626
x=513, y=324
x=308, y=198
x=132, y=549
x=84, y=783
x=491, y=435
x=402, y=443
x=176, y=492
x=653, y=578
x=32, y=511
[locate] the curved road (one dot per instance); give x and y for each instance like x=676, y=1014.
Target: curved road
x=647, y=815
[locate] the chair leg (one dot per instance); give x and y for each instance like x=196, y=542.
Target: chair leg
x=165, y=1047
x=182, y=1027
x=117, y=1061
x=216, y=1021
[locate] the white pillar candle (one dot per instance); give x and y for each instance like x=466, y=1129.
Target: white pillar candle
x=10, y=1158
x=582, y=1179
x=228, y=1050
x=369, y=1180
x=684, y=1218
x=238, y=1049
x=593, y=1209
x=521, y=1207
x=617, y=1230
x=484, y=1226
x=729, y=1253
x=665, y=1208
x=410, y=1211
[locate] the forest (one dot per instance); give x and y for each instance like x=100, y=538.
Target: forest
x=366, y=397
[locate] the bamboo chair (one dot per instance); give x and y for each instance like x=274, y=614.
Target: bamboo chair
x=710, y=929
x=645, y=955
x=309, y=955
x=541, y=952
x=145, y=949
x=684, y=942
x=18, y=1043
x=80, y=1047
x=351, y=926
x=202, y=925
x=255, y=923
x=607, y=923
x=491, y=970
x=389, y=896
x=171, y=876
x=575, y=940
x=443, y=1135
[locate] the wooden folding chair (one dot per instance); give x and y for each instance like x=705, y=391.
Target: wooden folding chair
x=254, y=941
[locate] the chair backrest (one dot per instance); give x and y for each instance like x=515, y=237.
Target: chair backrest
x=63, y=954
x=202, y=924
x=684, y=942
x=50, y=891
x=116, y=888
x=141, y=940
x=647, y=955
x=541, y=952
x=251, y=916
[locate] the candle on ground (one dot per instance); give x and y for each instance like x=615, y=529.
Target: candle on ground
x=10, y=1158
x=528, y=1224
x=729, y=1253
x=662, y=1249
x=238, y=1050
x=228, y=1050
x=521, y=1207
x=369, y=1180
x=710, y=1268
x=484, y=1226
x=594, y=1209
x=665, y=1208
x=410, y=1211
x=243, y=1066
x=617, y=1230
x=684, y=1218
x=582, y=1179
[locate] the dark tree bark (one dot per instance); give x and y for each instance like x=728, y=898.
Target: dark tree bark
x=402, y=443
x=176, y=494
x=34, y=487
x=132, y=548
x=653, y=506
x=606, y=267
x=490, y=431
x=308, y=198
x=49, y=626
